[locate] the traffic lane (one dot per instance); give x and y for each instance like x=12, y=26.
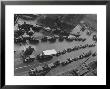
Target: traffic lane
x=60, y=69
x=58, y=46
x=62, y=58
x=57, y=72
x=73, y=64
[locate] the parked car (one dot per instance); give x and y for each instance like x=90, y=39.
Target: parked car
x=94, y=54
x=58, y=54
x=69, y=50
x=61, y=38
x=28, y=60
x=65, y=63
x=28, y=51
x=52, y=39
x=44, y=39
x=63, y=52
x=70, y=60
x=32, y=72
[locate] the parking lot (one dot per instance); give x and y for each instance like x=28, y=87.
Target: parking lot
x=22, y=69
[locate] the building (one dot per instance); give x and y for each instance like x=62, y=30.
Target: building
x=49, y=52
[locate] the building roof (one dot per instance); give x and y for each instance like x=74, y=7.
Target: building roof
x=49, y=52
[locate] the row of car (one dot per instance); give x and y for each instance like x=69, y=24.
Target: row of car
x=84, y=68
x=33, y=40
x=44, y=58
x=43, y=70
x=68, y=50
x=29, y=30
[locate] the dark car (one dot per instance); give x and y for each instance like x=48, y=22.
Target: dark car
x=56, y=63
x=76, y=59
x=69, y=39
x=52, y=39
x=28, y=60
x=28, y=51
x=33, y=41
x=93, y=65
x=32, y=72
x=88, y=33
x=25, y=26
x=76, y=35
x=63, y=52
x=44, y=39
x=83, y=40
x=43, y=58
x=94, y=38
x=94, y=54
x=88, y=54
x=61, y=38
x=65, y=63
x=30, y=33
x=76, y=48
x=81, y=57
x=46, y=67
x=18, y=40
x=58, y=54
x=69, y=50
x=36, y=29
x=70, y=60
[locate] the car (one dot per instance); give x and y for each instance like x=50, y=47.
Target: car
x=57, y=63
x=93, y=65
x=32, y=72
x=52, y=39
x=94, y=38
x=56, y=36
x=33, y=41
x=44, y=39
x=87, y=54
x=58, y=54
x=88, y=32
x=63, y=52
x=75, y=48
x=18, y=40
x=36, y=28
x=39, y=69
x=56, y=31
x=94, y=54
x=75, y=59
x=36, y=41
x=50, y=65
x=28, y=60
x=44, y=58
x=69, y=38
x=61, y=38
x=81, y=57
x=64, y=33
x=65, y=63
x=46, y=67
x=76, y=35
x=83, y=39
x=25, y=26
x=30, y=33
x=28, y=51
x=24, y=40
x=91, y=45
x=69, y=50
x=48, y=29
x=70, y=60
